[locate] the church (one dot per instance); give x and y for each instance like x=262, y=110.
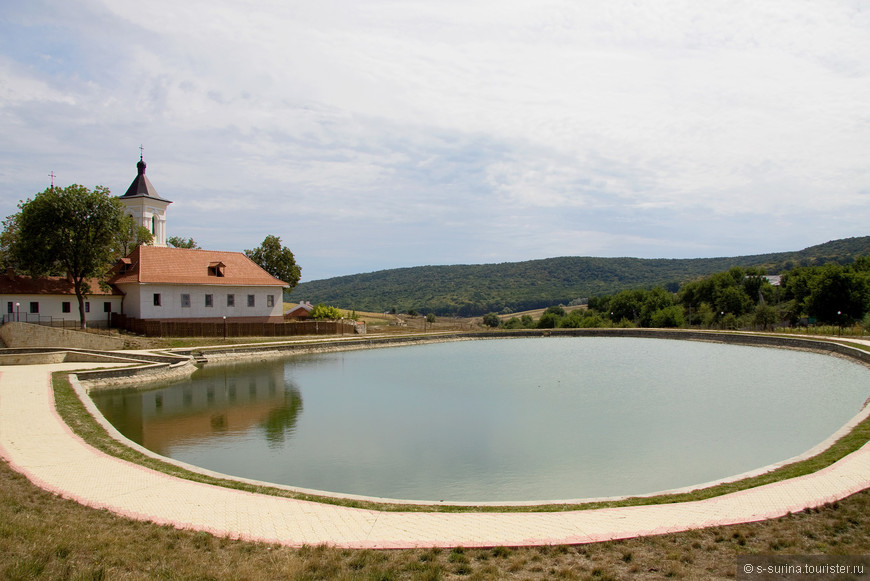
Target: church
x=155, y=282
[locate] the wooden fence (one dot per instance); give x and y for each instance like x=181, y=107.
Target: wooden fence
x=230, y=329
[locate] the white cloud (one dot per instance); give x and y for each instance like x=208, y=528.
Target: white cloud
x=617, y=126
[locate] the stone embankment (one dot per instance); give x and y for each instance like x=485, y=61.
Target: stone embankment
x=23, y=335
x=147, y=367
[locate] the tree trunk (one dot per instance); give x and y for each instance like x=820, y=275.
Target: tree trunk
x=80, y=297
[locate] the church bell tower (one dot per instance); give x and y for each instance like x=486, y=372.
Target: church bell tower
x=146, y=206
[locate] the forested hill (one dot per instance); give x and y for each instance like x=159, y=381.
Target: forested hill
x=475, y=289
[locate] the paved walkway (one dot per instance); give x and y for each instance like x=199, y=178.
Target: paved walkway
x=37, y=443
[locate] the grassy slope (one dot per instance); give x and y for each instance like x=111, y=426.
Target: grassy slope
x=470, y=290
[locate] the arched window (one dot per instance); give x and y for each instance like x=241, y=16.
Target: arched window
x=154, y=225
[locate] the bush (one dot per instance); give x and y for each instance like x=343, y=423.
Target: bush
x=548, y=320
x=322, y=312
x=491, y=320
x=668, y=317
x=513, y=323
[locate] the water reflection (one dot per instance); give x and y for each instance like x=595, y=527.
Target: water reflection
x=527, y=419
x=214, y=402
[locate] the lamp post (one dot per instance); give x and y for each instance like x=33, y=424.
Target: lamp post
x=17, y=312
x=839, y=322
x=225, y=326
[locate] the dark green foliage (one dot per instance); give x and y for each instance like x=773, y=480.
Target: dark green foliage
x=277, y=260
x=179, y=242
x=70, y=231
x=832, y=294
x=472, y=290
x=491, y=320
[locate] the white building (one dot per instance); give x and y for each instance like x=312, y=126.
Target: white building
x=154, y=282
x=51, y=300
x=162, y=283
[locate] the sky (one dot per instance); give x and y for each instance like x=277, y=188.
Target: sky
x=375, y=134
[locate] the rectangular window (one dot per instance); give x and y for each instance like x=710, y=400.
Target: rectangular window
x=209, y=300
x=231, y=300
x=107, y=307
x=185, y=301
x=156, y=299
x=270, y=300
x=34, y=308
x=10, y=307
x=65, y=307
x=251, y=301
x=87, y=306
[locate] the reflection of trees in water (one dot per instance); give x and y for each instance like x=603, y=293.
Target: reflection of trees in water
x=281, y=421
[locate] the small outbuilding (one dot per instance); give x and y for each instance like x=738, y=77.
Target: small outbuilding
x=300, y=312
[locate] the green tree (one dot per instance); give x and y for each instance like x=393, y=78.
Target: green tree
x=626, y=305
x=765, y=316
x=733, y=300
x=654, y=301
x=277, y=260
x=70, y=230
x=323, y=312
x=491, y=320
x=513, y=323
x=179, y=242
x=838, y=295
x=549, y=320
x=7, y=239
x=130, y=235
x=668, y=317
x=557, y=310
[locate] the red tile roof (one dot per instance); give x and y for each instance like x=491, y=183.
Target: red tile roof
x=158, y=264
x=16, y=284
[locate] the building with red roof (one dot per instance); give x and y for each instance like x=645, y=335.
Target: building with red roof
x=154, y=282
x=52, y=300
x=183, y=284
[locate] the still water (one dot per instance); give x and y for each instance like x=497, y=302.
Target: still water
x=499, y=420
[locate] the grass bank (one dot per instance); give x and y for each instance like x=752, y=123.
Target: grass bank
x=43, y=536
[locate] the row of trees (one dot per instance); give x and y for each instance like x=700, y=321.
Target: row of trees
x=738, y=298
x=79, y=233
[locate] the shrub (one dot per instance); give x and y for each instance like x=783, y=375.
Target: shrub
x=323, y=312
x=491, y=320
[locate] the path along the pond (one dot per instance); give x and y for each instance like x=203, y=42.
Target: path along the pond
x=36, y=442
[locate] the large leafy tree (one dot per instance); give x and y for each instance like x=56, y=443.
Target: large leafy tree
x=179, y=242
x=72, y=231
x=277, y=260
x=129, y=236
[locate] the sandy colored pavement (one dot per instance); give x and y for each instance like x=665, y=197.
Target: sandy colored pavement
x=37, y=443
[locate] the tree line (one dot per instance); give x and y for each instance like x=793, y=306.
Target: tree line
x=739, y=298
x=471, y=290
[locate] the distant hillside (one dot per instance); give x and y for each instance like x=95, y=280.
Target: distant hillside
x=475, y=289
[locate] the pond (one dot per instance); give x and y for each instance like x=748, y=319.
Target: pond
x=499, y=420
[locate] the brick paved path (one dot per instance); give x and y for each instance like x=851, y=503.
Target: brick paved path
x=37, y=443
